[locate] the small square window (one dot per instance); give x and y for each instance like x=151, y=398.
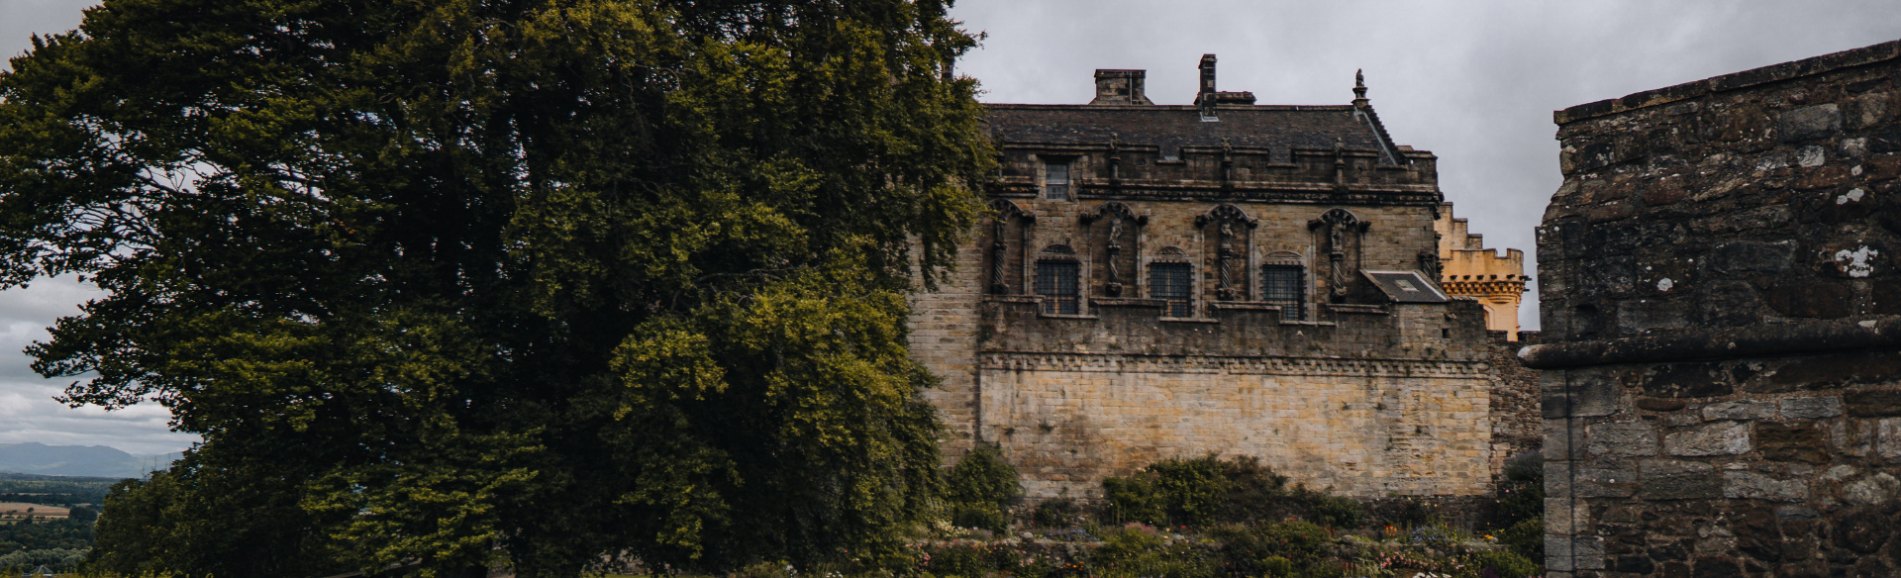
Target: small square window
x=1056, y=181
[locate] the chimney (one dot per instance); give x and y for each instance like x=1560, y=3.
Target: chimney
x=1205, y=98
x=1120, y=86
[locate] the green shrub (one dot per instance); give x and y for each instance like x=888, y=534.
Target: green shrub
x=981, y=488
x=1140, y=551
x=1520, y=494
x=1526, y=538
x=1057, y=513
x=1292, y=548
x=1503, y=564
x=971, y=560
x=1326, y=510
x=979, y=516
x=1405, y=512
x=1210, y=490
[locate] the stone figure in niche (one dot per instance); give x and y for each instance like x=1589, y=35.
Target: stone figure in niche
x=999, y=252
x=1224, y=255
x=1342, y=237
x=1120, y=217
x=1231, y=247
x=1002, y=212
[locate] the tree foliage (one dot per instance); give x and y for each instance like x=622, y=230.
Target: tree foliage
x=563, y=279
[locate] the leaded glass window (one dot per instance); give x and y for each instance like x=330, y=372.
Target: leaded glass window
x=1285, y=285
x=1173, y=284
x=1056, y=281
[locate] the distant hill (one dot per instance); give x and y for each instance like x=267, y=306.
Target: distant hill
x=90, y=461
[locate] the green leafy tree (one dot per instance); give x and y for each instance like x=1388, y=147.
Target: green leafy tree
x=555, y=280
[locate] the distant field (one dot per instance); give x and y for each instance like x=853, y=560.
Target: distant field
x=21, y=510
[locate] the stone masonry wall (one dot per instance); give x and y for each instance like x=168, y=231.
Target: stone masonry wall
x=1722, y=327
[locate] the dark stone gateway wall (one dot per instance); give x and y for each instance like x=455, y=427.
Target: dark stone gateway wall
x=1722, y=327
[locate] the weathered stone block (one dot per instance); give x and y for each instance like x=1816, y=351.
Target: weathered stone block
x=1810, y=122
x=1589, y=396
x=1811, y=407
x=1739, y=410
x=1888, y=438
x=1659, y=404
x=1810, y=299
x=1679, y=480
x=1723, y=438
x=1685, y=380
x=1756, y=486
x=1752, y=257
x=1872, y=403
x=1797, y=443
x=1606, y=482
x=1622, y=439
x=1872, y=490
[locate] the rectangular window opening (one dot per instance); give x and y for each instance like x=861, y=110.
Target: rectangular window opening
x=1056, y=281
x=1285, y=285
x=1056, y=180
x=1173, y=284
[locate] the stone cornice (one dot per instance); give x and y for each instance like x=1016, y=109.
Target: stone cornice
x=1302, y=366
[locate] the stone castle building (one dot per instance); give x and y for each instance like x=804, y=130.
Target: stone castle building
x=1158, y=281
x=1470, y=269
x=1722, y=326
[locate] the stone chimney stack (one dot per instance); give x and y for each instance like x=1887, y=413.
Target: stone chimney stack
x=1205, y=98
x=1120, y=86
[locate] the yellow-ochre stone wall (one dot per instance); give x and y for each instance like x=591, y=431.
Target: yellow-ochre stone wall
x=1360, y=402
x=1470, y=269
x=1355, y=428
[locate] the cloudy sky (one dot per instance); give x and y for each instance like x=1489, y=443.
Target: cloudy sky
x=1474, y=81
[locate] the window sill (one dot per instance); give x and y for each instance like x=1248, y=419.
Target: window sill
x=1042, y=315
x=1190, y=320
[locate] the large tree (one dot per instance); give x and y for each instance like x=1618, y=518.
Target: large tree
x=442, y=280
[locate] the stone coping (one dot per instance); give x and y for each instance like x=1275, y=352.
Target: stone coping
x=1714, y=344
x=1792, y=70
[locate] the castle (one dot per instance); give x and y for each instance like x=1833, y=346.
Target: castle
x=1158, y=281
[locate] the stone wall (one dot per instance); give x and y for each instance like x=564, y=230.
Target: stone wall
x=1221, y=278
x=1721, y=311
x=1468, y=268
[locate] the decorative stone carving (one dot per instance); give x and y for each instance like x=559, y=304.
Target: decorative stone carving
x=1231, y=248
x=1002, y=212
x=1339, y=235
x=1123, y=231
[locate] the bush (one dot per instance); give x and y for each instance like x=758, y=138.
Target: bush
x=1526, y=538
x=1138, y=550
x=1520, y=495
x=980, y=517
x=1057, y=513
x=1406, y=512
x=981, y=488
x=1209, y=489
x=1292, y=548
x=1502, y=564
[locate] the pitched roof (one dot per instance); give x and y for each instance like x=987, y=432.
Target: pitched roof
x=1276, y=128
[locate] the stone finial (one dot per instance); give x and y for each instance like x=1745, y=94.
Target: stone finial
x=1359, y=87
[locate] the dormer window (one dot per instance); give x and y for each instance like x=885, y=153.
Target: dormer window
x=1056, y=180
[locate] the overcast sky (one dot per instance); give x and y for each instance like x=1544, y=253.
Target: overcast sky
x=1473, y=81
